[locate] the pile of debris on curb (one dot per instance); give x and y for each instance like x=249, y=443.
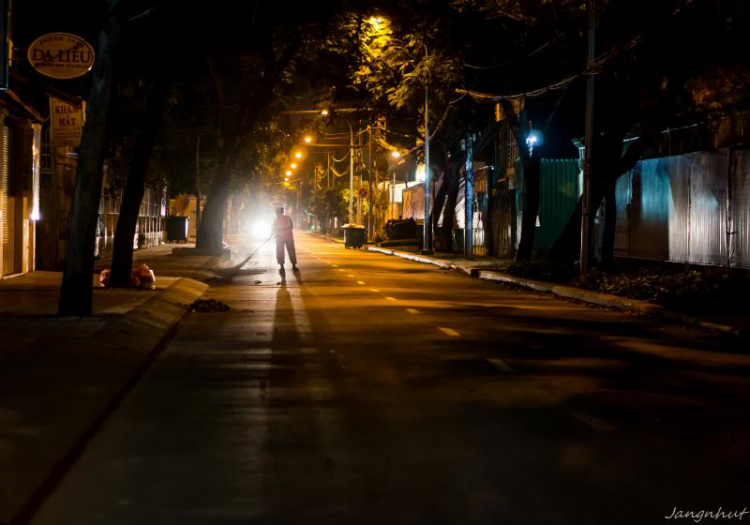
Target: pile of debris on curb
x=203, y=306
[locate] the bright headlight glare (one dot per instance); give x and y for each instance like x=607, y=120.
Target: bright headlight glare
x=261, y=229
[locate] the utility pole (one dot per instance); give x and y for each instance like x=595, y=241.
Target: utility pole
x=587, y=215
x=469, y=199
x=369, y=180
x=427, y=236
x=197, y=183
x=351, y=174
x=359, y=182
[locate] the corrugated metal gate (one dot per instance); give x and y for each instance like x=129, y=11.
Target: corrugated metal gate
x=692, y=208
x=7, y=205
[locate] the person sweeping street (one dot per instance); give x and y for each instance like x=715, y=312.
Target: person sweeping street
x=282, y=230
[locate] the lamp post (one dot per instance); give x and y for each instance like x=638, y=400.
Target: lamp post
x=351, y=173
x=427, y=234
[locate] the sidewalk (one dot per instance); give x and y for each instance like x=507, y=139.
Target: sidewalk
x=61, y=376
x=491, y=269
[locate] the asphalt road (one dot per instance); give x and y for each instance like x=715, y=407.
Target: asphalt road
x=369, y=389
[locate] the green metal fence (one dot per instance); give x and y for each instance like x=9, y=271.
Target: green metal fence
x=560, y=188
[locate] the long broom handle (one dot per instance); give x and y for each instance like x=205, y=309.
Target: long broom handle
x=253, y=254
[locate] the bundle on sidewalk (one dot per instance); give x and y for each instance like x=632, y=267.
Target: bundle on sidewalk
x=142, y=277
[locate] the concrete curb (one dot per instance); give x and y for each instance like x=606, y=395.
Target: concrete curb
x=470, y=269
x=441, y=263
x=55, y=394
x=611, y=301
x=568, y=292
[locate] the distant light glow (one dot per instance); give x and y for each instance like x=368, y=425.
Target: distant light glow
x=308, y=139
x=298, y=155
x=288, y=172
x=294, y=165
x=324, y=112
x=420, y=173
x=395, y=154
x=534, y=138
x=36, y=155
x=261, y=229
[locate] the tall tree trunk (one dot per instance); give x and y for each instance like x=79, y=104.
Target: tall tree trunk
x=454, y=185
x=610, y=149
x=122, y=256
x=530, y=209
x=211, y=229
x=439, y=203
x=520, y=126
x=76, y=293
x=210, y=235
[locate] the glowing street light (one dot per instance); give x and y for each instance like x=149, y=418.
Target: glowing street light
x=395, y=154
x=288, y=173
x=534, y=139
x=294, y=165
x=298, y=155
x=308, y=139
x=324, y=113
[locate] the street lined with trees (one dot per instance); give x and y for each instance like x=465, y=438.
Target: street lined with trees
x=387, y=59
x=554, y=329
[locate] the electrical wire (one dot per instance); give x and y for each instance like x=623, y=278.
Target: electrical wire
x=516, y=59
x=593, y=68
x=342, y=159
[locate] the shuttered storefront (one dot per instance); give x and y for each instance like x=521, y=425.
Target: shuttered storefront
x=7, y=204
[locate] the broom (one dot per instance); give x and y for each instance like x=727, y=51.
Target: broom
x=232, y=271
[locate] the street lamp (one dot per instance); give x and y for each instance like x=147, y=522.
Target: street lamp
x=427, y=233
x=288, y=172
x=351, y=173
x=294, y=165
x=308, y=139
x=298, y=155
x=395, y=154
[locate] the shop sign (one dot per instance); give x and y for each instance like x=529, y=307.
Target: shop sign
x=66, y=123
x=61, y=55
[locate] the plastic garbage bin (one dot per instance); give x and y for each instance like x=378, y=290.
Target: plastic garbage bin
x=354, y=236
x=177, y=229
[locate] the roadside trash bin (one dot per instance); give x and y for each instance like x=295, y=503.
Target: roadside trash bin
x=177, y=229
x=398, y=229
x=355, y=236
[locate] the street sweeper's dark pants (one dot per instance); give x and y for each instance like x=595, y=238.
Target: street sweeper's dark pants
x=289, y=243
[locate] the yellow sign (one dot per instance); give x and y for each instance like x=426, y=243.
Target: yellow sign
x=67, y=123
x=517, y=104
x=61, y=55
